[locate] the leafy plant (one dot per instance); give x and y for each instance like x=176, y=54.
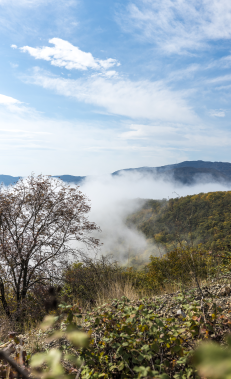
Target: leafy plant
x=213, y=360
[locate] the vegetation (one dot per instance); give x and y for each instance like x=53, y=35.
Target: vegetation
x=135, y=339
x=198, y=219
x=40, y=220
x=131, y=340
x=94, y=279
x=82, y=278
x=112, y=321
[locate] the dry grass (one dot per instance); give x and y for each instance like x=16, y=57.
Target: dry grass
x=6, y=327
x=116, y=291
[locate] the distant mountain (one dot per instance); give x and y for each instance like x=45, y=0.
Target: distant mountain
x=219, y=166
x=7, y=179
x=188, y=173
x=70, y=178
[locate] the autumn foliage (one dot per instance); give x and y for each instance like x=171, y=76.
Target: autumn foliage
x=43, y=223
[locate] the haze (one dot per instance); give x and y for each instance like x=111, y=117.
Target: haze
x=113, y=198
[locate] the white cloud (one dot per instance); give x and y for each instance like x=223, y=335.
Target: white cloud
x=15, y=106
x=111, y=198
x=141, y=99
x=223, y=78
x=14, y=65
x=7, y=100
x=179, y=25
x=178, y=135
x=139, y=131
x=64, y=54
x=22, y=18
x=31, y=142
x=110, y=73
x=224, y=62
x=183, y=73
x=217, y=113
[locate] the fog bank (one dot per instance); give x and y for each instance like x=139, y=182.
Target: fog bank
x=111, y=200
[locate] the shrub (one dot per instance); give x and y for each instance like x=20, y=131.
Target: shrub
x=181, y=265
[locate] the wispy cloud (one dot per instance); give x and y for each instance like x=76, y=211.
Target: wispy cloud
x=31, y=138
x=159, y=132
x=217, y=113
x=16, y=107
x=13, y=105
x=27, y=18
x=64, y=54
x=7, y=100
x=224, y=62
x=219, y=79
x=178, y=26
x=135, y=99
x=178, y=135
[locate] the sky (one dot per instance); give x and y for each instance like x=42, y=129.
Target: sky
x=91, y=87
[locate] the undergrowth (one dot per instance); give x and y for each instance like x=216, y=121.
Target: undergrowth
x=143, y=338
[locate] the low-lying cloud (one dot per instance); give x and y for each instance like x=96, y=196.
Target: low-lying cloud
x=113, y=198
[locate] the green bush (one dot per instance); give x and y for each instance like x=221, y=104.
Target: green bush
x=181, y=266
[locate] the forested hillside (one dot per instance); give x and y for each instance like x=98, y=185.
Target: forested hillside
x=203, y=218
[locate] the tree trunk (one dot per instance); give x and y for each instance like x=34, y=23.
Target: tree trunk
x=3, y=299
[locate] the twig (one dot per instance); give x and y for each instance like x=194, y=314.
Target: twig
x=159, y=309
x=79, y=371
x=127, y=365
x=12, y=363
x=203, y=309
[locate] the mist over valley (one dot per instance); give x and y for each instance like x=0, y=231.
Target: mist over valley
x=119, y=198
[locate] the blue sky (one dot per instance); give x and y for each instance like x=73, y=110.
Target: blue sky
x=90, y=87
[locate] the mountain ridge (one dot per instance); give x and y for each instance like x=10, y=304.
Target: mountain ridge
x=187, y=173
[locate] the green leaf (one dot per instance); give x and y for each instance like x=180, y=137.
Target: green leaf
x=47, y=322
x=145, y=347
x=79, y=339
x=155, y=347
x=112, y=368
x=175, y=349
x=213, y=361
x=38, y=359
x=56, y=335
x=53, y=360
x=121, y=366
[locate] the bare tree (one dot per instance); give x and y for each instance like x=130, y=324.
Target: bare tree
x=42, y=221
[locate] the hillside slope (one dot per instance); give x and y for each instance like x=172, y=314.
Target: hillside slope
x=203, y=218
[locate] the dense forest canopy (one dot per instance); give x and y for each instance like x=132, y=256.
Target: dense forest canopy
x=203, y=218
